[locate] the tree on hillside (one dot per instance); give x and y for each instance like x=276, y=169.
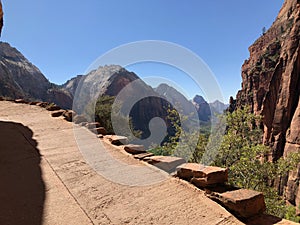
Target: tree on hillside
x=244, y=154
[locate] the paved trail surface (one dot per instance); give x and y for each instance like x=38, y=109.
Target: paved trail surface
x=45, y=180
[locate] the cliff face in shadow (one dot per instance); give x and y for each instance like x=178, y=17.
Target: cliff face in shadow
x=21, y=79
x=1, y=18
x=271, y=86
x=22, y=190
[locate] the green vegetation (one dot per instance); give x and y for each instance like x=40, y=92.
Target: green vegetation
x=187, y=140
x=244, y=154
x=103, y=110
x=241, y=151
x=102, y=113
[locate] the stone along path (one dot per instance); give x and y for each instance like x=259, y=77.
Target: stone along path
x=44, y=179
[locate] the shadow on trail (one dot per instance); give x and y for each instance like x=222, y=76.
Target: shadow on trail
x=22, y=190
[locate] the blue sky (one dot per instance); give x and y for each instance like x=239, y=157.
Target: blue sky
x=63, y=37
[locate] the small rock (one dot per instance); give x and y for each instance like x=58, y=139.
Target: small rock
x=134, y=149
x=118, y=140
x=243, y=203
x=83, y=124
x=78, y=119
x=93, y=125
x=100, y=130
x=33, y=103
x=166, y=163
x=52, y=107
x=141, y=156
x=42, y=104
x=57, y=113
x=20, y=101
x=100, y=136
x=69, y=114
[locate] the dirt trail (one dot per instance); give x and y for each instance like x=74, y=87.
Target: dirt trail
x=47, y=181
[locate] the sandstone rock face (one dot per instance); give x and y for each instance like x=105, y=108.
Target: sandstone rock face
x=59, y=97
x=271, y=85
x=109, y=81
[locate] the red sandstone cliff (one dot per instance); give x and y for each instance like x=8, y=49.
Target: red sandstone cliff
x=271, y=86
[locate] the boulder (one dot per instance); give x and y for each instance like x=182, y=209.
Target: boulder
x=78, y=119
x=166, y=163
x=68, y=115
x=202, y=176
x=33, y=103
x=118, y=140
x=52, y=107
x=242, y=203
x=141, y=156
x=99, y=130
x=57, y=113
x=42, y=104
x=134, y=149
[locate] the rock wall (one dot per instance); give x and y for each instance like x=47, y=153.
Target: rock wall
x=1, y=18
x=271, y=86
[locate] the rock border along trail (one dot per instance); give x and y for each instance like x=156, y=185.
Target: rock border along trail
x=76, y=194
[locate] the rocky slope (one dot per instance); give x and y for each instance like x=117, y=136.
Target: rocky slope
x=175, y=96
x=271, y=86
x=21, y=79
x=218, y=107
x=109, y=81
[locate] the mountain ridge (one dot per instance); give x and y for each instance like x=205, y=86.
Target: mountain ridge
x=19, y=78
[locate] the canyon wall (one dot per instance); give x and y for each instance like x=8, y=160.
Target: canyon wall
x=271, y=86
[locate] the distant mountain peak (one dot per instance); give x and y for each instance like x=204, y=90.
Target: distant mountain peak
x=199, y=99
